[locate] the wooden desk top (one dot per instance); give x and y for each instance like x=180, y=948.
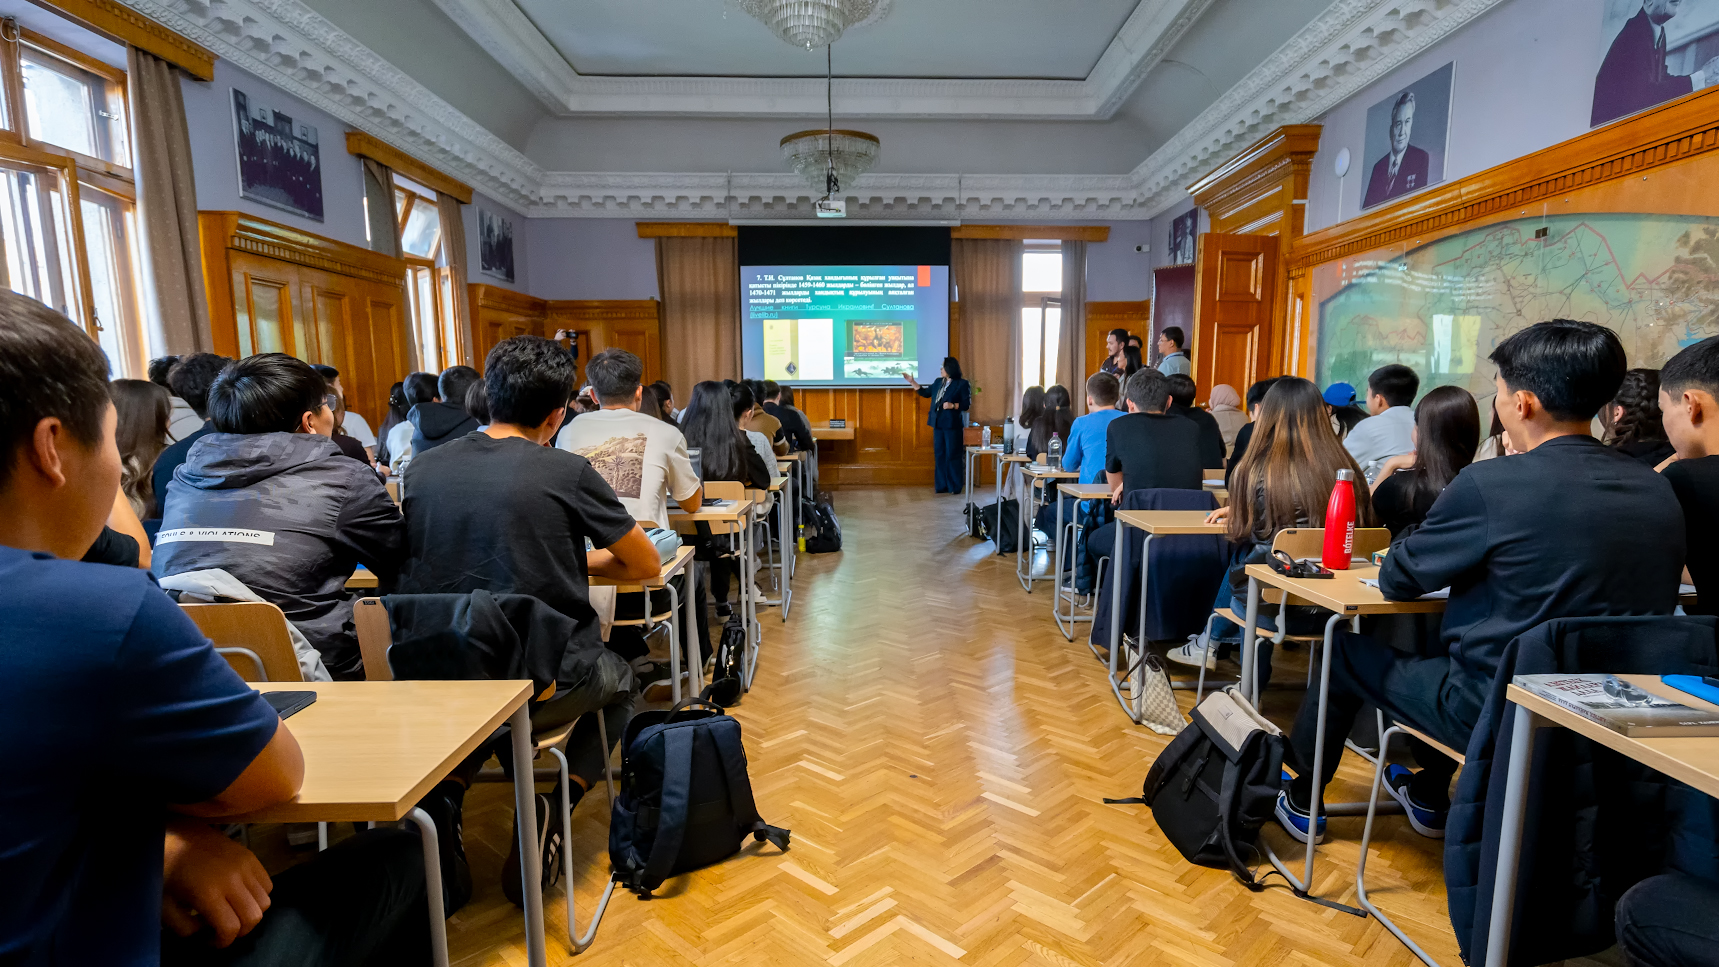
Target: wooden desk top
x=1040, y=470
x=826, y=432
x=1016, y=457
x=361, y=580
x=1170, y=521
x=671, y=567
x=794, y=457
x=1344, y=592
x=1091, y=491
x=373, y=749
x=715, y=515
x=995, y=449
x=1692, y=760
x=776, y=483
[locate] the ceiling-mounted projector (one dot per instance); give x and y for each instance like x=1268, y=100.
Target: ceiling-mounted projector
x=831, y=208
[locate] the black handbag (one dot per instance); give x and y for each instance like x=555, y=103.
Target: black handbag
x=727, y=675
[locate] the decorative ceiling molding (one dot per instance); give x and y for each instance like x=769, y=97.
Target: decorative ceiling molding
x=502, y=29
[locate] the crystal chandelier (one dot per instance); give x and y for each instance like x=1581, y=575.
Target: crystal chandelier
x=830, y=158
x=811, y=23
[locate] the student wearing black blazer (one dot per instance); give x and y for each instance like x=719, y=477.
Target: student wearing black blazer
x=951, y=397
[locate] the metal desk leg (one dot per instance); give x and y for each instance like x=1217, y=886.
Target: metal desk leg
x=433, y=885
x=786, y=596
x=1135, y=692
x=1250, y=631
x=525, y=808
x=1510, y=837
x=676, y=653
x=1056, y=575
x=1026, y=580
x=1002, y=468
x=692, y=653
x=754, y=633
x=1317, y=799
x=1117, y=589
x=967, y=492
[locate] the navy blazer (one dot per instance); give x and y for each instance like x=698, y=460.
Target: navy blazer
x=960, y=393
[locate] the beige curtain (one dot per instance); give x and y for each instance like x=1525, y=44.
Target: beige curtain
x=988, y=284
x=1071, y=349
x=699, y=280
x=454, y=247
x=167, y=207
x=379, y=207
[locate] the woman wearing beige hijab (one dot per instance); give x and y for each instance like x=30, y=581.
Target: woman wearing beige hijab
x=1226, y=409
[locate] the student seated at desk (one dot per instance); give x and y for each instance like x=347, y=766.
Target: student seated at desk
x=106, y=861
x=417, y=389
x=505, y=512
x=1391, y=393
x=1085, y=455
x=1446, y=434
x=1255, y=396
x=794, y=426
x=1182, y=393
x=191, y=378
x=1568, y=528
x=1689, y=398
x=1054, y=420
x=1284, y=481
x=725, y=453
x=1633, y=421
x=444, y=418
x=269, y=499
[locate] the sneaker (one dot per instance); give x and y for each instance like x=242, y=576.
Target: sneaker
x=1427, y=822
x=1295, y=821
x=446, y=806
x=1193, y=653
x=548, y=848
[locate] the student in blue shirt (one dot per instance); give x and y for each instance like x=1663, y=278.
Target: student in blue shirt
x=1085, y=453
x=107, y=862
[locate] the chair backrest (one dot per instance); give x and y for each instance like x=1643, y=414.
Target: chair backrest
x=1217, y=474
x=724, y=490
x=1300, y=542
x=370, y=620
x=254, y=626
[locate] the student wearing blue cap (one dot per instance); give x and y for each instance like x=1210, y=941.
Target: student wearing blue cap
x=1340, y=397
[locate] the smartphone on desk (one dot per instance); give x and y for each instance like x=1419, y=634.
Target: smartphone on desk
x=719, y=502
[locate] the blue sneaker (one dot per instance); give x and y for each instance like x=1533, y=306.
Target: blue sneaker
x=1294, y=821
x=1427, y=822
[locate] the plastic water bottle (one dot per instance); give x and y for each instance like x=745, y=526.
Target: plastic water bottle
x=1053, y=453
x=985, y=437
x=1339, y=523
x=1008, y=434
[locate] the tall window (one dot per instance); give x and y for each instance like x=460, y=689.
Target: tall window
x=68, y=198
x=1041, y=312
x=429, y=280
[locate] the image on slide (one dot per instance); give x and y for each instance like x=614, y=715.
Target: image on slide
x=880, y=349
x=799, y=349
x=876, y=340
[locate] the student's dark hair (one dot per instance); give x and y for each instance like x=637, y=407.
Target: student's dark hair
x=1103, y=388
x=1182, y=389
x=452, y=385
x=477, y=402
x=952, y=366
x=1397, y=383
x=1256, y=392
x=665, y=392
x=142, y=409
x=1056, y=398
x=1695, y=366
x=1293, y=459
x=742, y=399
x=1147, y=390
x=159, y=367
x=265, y=393
x=1447, y=424
x=1032, y=406
x=614, y=374
x=1135, y=341
x=48, y=368
x=397, y=400
x=772, y=389
x=709, y=425
x=326, y=372
x=1641, y=420
x=1121, y=335
x=420, y=388
x=526, y=378
x=1135, y=362
x=650, y=404
x=1573, y=367
x=787, y=396
x=1174, y=334
x=191, y=377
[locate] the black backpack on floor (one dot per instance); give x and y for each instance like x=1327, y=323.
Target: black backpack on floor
x=685, y=800
x=1215, y=784
x=1006, y=531
x=829, y=533
x=730, y=667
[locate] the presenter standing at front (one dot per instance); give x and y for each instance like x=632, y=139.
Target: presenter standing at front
x=950, y=397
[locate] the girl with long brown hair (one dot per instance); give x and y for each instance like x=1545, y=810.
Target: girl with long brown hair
x=143, y=409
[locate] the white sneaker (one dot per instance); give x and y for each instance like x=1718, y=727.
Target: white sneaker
x=1193, y=653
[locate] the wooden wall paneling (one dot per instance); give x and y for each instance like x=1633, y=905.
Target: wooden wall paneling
x=499, y=313
x=1233, y=307
x=631, y=324
x=1101, y=317
x=891, y=445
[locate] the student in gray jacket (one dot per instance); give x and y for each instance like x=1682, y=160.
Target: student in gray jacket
x=268, y=498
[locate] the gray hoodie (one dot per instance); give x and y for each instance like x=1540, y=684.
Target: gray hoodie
x=289, y=516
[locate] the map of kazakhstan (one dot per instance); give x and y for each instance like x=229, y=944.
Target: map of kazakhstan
x=1441, y=308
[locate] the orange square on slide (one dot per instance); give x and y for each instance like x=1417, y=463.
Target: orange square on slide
x=924, y=276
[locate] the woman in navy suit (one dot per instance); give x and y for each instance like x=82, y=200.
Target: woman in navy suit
x=951, y=397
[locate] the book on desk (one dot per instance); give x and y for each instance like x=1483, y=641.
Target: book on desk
x=1620, y=706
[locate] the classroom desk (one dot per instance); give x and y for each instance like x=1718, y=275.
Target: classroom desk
x=1155, y=523
x=1059, y=591
x=1037, y=476
x=1694, y=761
x=790, y=554
x=372, y=750
x=1344, y=596
x=995, y=452
x=824, y=431
x=683, y=638
x=1215, y=486
x=783, y=488
x=734, y=518
x=363, y=579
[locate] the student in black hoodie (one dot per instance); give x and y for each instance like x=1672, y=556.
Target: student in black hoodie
x=444, y=418
x=1182, y=391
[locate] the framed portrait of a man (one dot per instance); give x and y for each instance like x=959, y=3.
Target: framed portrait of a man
x=1184, y=235
x=1406, y=136
x=1653, y=51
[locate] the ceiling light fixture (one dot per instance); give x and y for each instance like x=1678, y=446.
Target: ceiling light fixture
x=813, y=23
x=830, y=158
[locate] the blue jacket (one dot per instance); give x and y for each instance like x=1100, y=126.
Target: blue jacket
x=960, y=393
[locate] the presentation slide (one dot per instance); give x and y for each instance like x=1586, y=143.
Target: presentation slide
x=844, y=325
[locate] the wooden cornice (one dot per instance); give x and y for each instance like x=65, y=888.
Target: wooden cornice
x=365, y=146
x=1669, y=134
x=495, y=297
x=127, y=26
x=687, y=230
x=604, y=309
x=1285, y=154
x=1065, y=233
x=259, y=236
x=1118, y=310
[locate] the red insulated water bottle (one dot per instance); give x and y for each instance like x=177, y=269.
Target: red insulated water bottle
x=1340, y=523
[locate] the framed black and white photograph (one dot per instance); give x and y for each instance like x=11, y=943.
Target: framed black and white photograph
x=280, y=163
x=495, y=245
x=1406, y=135
x=1184, y=234
x=1653, y=51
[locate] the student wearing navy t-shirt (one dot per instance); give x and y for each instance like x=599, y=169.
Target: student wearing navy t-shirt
x=106, y=862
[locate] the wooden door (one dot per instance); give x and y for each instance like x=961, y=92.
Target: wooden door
x=1233, y=280
x=264, y=295
x=375, y=348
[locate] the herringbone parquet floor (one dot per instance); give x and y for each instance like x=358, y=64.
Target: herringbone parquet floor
x=940, y=753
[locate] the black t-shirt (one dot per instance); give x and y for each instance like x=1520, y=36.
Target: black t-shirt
x=1696, y=483
x=1398, y=505
x=349, y=446
x=1650, y=452
x=1211, y=435
x=1152, y=450
x=115, y=548
x=509, y=517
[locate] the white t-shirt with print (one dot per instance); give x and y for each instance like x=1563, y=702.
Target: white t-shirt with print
x=643, y=458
